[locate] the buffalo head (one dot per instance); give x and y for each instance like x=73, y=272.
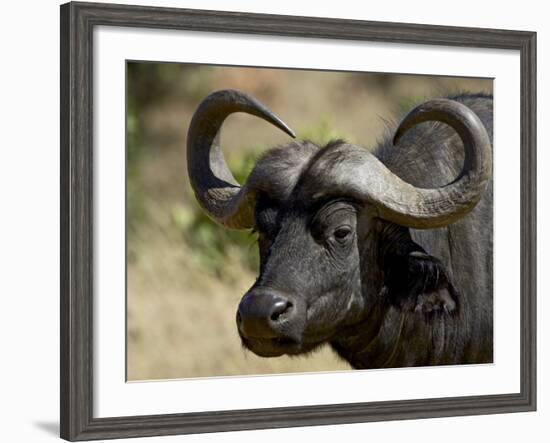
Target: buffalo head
x=323, y=214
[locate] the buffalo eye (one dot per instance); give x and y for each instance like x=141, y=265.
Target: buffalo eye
x=334, y=223
x=342, y=233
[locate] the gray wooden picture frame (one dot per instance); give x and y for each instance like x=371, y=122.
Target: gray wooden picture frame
x=77, y=24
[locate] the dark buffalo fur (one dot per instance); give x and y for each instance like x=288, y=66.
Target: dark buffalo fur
x=382, y=295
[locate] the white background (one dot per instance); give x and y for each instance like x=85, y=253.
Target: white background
x=29, y=183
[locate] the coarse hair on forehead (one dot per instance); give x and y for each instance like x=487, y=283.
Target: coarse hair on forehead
x=280, y=170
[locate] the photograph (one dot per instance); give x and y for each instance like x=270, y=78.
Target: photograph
x=294, y=221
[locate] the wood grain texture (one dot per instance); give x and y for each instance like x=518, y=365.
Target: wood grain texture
x=77, y=23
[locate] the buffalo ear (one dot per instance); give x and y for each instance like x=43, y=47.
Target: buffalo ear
x=419, y=282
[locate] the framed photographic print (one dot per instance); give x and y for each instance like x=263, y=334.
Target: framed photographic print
x=256, y=235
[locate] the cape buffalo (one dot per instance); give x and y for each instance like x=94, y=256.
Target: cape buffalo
x=385, y=253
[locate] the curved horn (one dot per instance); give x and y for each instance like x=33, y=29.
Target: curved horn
x=217, y=191
x=354, y=171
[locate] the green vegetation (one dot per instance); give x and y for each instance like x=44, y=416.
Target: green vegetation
x=213, y=245
x=134, y=149
x=321, y=134
x=148, y=84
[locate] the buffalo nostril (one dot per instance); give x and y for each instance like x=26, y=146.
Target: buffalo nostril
x=265, y=314
x=279, y=308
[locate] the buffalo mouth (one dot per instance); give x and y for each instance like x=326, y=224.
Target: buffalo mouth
x=272, y=347
x=277, y=346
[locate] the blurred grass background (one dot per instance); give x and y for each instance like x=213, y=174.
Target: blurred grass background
x=186, y=275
